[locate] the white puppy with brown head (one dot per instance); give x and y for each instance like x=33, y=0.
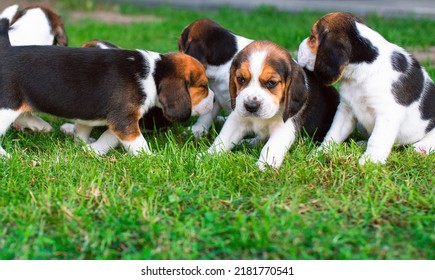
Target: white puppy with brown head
x=275, y=98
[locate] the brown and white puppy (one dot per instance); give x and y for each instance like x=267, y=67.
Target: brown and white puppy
x=36, y=25
x=274, y=97
x=382, y=86
x=215, y=47
x=153, y=119
x=98, y=87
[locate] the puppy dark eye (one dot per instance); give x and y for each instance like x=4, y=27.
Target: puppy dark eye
x=270, y=84
x=240, y=80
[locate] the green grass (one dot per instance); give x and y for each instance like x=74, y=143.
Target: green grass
x=59, y=202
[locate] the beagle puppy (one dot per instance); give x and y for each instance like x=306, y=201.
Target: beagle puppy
x=215, y=47
x=97, y=87
x=274, y=97
x=36, y=25
x=382, y=86
x=152, y=119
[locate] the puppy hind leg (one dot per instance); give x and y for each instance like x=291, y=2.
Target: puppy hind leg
x=426, y=145
x=136, y=146
x=132, y=139
x=32, y=122
x=7, y=117
x=108, y=140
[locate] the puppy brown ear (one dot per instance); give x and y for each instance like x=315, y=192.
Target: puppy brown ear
x=332, y=57
x=175, y=99
x=233, y=86
x=61, y=39
x=296, y=92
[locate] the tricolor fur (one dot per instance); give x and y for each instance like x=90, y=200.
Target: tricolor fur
x=215, y=47
x=96, y=87
x=275, y=98
x=382, y=86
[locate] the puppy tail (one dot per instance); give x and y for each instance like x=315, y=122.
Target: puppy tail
x=5, y=21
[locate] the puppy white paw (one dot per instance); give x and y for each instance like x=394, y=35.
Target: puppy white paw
x=198, y=130
x=377, y=159
x=68, y=129
x=263, y=165
x=32, y=122
x=98, y=148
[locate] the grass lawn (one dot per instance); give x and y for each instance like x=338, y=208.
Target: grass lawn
x=59, y=202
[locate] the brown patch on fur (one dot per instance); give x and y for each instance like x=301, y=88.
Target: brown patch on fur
x=180, y=83
x=25, y=107
x=194, y=74
x=269, y=74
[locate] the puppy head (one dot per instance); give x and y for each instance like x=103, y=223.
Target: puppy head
x=208, y=42
x=334, y=42
x=182, y=87
x=264, y=80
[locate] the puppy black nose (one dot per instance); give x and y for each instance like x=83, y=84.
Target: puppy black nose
x=252, y=106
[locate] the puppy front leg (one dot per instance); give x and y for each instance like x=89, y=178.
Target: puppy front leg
x=232, y=132
x=343, y=124
x=282, y=137
x=381, y=140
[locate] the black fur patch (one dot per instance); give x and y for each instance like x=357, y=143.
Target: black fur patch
x=362, y=49
x=409, y=87
x=427, y=106
x=221, y=46
x=82, y=83
x=320, y=110
x=4, y=33
x=399, y=62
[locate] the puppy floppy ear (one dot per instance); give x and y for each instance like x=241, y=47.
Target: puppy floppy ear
x=192, y=48
x=175, y=99
x=295, y=92
x=333, y=56
x=61, y=38
x=233, y=86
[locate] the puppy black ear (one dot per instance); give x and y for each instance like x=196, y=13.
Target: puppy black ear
x=332, y=57
x=296, y=92
x=175, y=99
x=191, y=48
x=233, y=86
x=196, y=51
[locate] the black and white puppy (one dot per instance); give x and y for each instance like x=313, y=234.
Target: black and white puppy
x=382, y=86
x=35, y=25
x=215, y=47
x=98, y=87
x=275, y=98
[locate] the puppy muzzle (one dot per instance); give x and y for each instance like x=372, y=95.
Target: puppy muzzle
x=305, y=57
x=205, y=105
